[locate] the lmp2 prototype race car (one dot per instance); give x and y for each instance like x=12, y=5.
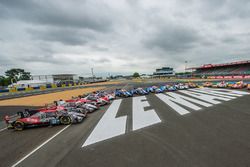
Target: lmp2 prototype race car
x=181, y=86
x=222, y=84
x=123, y=93
x=154, y=89
x=208, y=84
x=239, y=85
x=32, y=118
x=192, y=85
x=139, y=91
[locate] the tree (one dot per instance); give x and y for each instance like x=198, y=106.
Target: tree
x=18, y=74
x=4, y=81
x=136, y=75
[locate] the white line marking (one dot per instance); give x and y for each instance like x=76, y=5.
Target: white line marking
x=171, y=101
x=205, y=97
x=221, y=91
x=215, y=93
x=109, y=126
x=17, y=163
x=232, y=91
x=2, y=129
x=140, y=117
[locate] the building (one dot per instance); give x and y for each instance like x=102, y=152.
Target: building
x=57, y=78
x=164, y=72
x=239, y=69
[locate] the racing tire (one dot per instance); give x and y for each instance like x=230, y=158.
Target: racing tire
x=65, y=120
x=18, y=125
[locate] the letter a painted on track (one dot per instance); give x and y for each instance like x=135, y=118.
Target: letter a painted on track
x=143, y=118
x=109, y=126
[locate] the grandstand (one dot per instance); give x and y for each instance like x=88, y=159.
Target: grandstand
x=239, y=69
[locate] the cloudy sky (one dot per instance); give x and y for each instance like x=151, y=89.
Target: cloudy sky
x=121, y=36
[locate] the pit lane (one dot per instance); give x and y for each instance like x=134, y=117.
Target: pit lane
x=213, y=136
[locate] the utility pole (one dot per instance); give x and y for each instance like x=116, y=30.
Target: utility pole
x=186, y=65
x=92, y=71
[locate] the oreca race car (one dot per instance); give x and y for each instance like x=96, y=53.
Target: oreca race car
x=181, y=86
x=123, y=93
x=154, y=89
x=168, y=88
x=208, y=84
x=192, y=85
x=103, y=94
x=239, y=85
x=99, y=100
x=32, y=118
x=139, y=91
x=222, y=84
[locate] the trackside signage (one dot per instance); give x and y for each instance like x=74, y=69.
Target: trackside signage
x=182, y=102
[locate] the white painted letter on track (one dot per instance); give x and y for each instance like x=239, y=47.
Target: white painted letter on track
x=172, y=98
x=205, y=97
x=109, y=126
x=142, y=118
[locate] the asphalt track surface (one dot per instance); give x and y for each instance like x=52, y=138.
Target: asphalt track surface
x=217, y=135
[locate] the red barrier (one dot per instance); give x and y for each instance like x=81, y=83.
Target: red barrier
x=238, y=77
x=228, y=77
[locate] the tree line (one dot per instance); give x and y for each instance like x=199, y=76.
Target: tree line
x=13, y=75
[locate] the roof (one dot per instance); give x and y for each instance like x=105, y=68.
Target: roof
x=206, y=66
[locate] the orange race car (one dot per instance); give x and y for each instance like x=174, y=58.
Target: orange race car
x=208, y=84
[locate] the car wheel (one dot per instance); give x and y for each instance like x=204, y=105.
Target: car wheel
x=65, y=120
x=19, y=126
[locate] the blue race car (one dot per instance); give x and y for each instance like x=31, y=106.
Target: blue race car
x=154, y=89
x=123, y=93
x=140, y=91
x=170, y=88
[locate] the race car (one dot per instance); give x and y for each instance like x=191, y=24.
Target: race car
x=239, y=85
x=181, y=86
x=192, y=85
x=154, y=89
x=248, y=86
x=168, y=87
x=139, y=91
x=222, y=84
x=32, y=118
x=208, y=84
x=102, y=94
x=101, y=101
x=123, y=93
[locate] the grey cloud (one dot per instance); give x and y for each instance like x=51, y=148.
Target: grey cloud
x=53, y=13
x=64, y=36
x=173, y=39
x=123, y=35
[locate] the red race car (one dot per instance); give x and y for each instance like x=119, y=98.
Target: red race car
x=32, y=118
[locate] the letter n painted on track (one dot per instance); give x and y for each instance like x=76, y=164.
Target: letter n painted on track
x=109, y=126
